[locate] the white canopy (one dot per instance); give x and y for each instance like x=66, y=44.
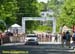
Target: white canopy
x=15, y=25
x=65, y=28
x=15, y=28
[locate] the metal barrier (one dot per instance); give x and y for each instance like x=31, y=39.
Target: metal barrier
x=41, y=38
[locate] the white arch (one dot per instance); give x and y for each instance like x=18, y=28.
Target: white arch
x=40, y=19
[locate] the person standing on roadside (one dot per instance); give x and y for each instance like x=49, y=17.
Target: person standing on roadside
x=73, y=37
x=73, y=28
x=56, y=37
x=68, y=38
x=63, y=38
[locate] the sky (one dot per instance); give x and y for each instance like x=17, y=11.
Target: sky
x=43, y=1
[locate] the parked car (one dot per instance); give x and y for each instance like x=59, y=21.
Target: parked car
x=31, y=39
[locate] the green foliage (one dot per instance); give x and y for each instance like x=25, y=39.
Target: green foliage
x=8, y=8
x=64, y=12
x=67, y=15
x=27, y=8
x=12, y=11
x=56, y=6
x=41, y=28
x=43, y=6
x=2, y=26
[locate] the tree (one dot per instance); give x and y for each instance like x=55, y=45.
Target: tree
x=2, y=25
x=55, y=5
x=8, y=8
x=12, y=11
x=28, y=8
x=67, y=15
x=43, y=6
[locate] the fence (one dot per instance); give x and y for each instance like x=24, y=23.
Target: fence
x=41, y=38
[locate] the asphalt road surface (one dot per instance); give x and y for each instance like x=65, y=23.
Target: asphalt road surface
x=36, y=49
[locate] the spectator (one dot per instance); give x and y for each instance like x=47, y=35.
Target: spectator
x=50, y=37
x=68, y=38
x=73, y=28
x=56, y=38
x=73, y=37
x=9, y=34
x=63, y=38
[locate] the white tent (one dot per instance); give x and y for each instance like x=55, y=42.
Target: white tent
x=15, y=25
x=65, y=29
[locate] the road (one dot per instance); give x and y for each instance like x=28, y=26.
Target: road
x=36, y=49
